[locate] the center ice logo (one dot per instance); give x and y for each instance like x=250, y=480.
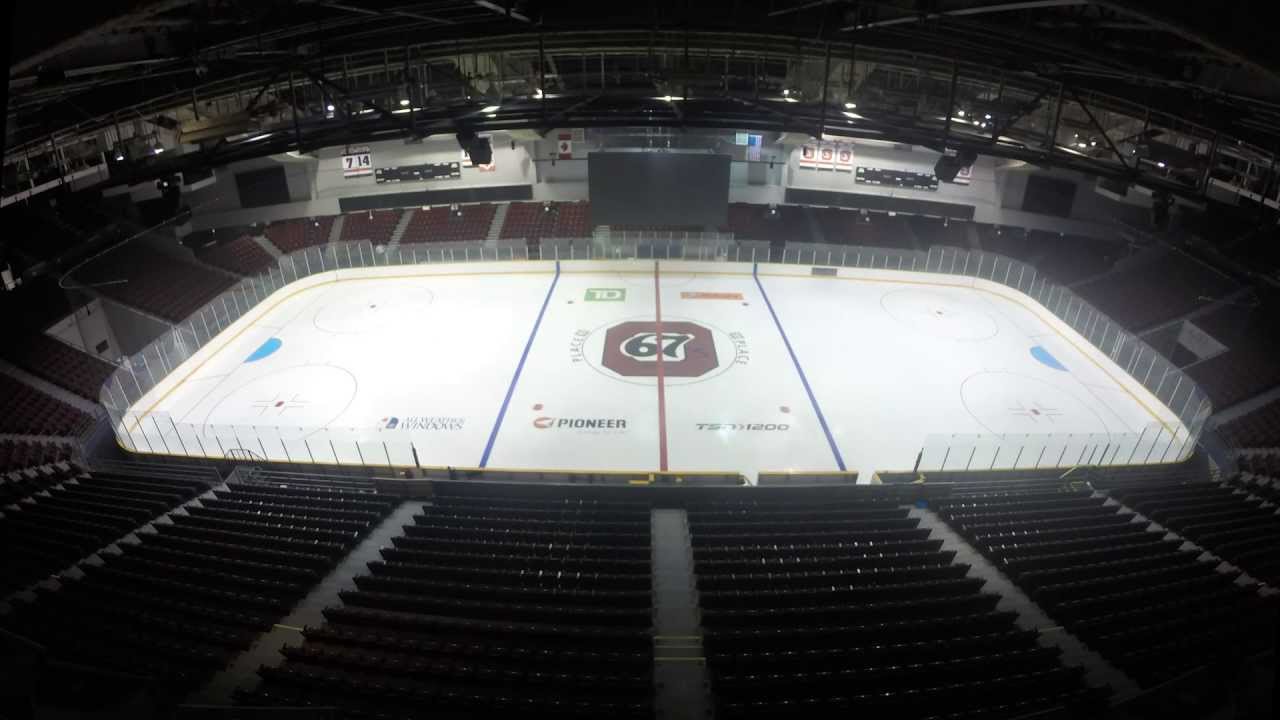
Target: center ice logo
x=643, y=346
x=632, y=349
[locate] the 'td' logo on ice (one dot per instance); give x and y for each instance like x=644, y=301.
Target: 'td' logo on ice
x=632, y=349
x=606, y=294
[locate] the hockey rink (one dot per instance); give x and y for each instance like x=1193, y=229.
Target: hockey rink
x=642, y=366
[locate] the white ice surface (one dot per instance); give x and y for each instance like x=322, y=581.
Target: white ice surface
x=890, y=358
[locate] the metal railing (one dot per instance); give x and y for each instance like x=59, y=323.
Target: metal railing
x=145, y=431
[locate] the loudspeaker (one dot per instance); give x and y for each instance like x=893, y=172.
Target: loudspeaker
x=478, y=148
x=950, y=162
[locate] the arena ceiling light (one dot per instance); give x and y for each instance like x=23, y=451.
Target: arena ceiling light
x=490, y=109
x=404, y=102
x=329, y=107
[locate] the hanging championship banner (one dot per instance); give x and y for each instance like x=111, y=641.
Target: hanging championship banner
x=844, y=158
x=808, y=156
x=357, y=162
x=565, y=147
x=964, y=175
x=826, y=156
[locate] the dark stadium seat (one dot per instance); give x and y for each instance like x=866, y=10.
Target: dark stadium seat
x=80, y=514
x=1223, y=519
x=1155, y=291
x=236, y=252
x=487, y=606
x=1087, y=566
x=61, y=364
x=532, y=222
x=857, y=609
x=27, y=411
x=18, y=455
x=180, y=603
x=440, y=224
x=375, y=226
x=299, y=233
x=157, y=283
x=1259, y=428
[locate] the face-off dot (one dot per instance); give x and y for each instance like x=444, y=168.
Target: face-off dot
x=537, y=406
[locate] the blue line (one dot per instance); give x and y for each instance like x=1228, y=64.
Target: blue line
x=755, y=273
x=502, y=413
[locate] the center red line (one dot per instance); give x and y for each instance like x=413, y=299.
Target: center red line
x=662, y=385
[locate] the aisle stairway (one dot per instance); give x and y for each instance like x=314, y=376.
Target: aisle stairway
x=495, y=226
x=406, y=217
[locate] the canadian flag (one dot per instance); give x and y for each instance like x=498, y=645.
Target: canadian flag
x=565, y=148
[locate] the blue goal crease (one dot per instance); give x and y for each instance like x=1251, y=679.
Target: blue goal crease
x=515, y=377
x=822, y=420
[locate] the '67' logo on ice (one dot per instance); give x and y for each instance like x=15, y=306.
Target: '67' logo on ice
x=634, y=350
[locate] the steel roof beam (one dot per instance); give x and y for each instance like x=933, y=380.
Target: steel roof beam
x=963, y=12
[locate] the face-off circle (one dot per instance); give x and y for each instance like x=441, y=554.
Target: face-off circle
x=1008, y=403
x=374, y=308
x=938, y=315
x=313, y=396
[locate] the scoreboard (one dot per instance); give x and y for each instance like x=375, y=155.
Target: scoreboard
x=896, y=178
x=411, y=173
